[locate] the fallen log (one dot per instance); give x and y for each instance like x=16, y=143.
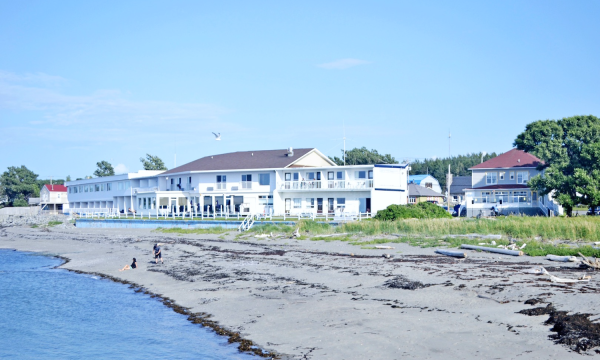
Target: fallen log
x=561, y=258
x=593, y=264
x=494, y=250
x=383, y=247
x=458, y=254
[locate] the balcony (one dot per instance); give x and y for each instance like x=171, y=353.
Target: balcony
x=363, y=184
x=138, y=190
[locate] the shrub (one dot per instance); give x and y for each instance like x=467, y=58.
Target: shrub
x=423, y=210
x=20, y=203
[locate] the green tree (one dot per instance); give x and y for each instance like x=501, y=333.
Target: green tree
x=363, y=156
x=153, y=163
x=104, y=169
x=438, y=168
x=19, y=183
x=68, y=178
x=570, y=148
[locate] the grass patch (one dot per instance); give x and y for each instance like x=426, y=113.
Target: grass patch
x=54, y=223
x=34, y=226
x=212, y=230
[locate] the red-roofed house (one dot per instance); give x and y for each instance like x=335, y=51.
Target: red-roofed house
x=501, y=183
x=54, y=197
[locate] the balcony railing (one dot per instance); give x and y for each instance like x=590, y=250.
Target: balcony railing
x=503, y=200
x=144, y=189
x=328, y=184
x=221, y=186
x=246, y=184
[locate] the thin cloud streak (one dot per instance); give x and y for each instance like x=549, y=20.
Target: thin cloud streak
x=343, y=64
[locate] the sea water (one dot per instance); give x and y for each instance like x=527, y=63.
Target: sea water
x=48, y=313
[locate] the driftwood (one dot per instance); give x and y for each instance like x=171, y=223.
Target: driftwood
x=593, y=264
x=494, y=250
x=541, y=271
x=329, y=235
x=458, y=254
x=561, y=258
x=383, y=247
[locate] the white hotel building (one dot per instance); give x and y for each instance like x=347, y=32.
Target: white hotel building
x=299, y=181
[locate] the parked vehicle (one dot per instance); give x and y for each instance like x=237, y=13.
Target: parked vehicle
x=593, y=211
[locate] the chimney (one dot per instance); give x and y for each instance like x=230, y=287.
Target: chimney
x=290, y=152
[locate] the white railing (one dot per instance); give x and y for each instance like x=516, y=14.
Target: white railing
x=329, y=184
x=246, y=184
x=146, y=189
x=221, y=186
x=502, y=200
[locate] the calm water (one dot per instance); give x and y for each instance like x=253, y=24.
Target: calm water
x=50, y=313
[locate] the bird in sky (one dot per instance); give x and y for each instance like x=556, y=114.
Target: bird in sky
x=217, y=136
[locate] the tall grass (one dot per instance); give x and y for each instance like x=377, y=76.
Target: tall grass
x=557, y=228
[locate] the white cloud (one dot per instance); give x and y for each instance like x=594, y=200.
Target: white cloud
x=343, y=64
x=121, y=169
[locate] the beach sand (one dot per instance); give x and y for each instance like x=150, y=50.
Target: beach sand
x=306, y=299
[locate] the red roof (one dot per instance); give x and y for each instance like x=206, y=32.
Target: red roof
x=511, y=159
x=501, y=187
x=56, y=188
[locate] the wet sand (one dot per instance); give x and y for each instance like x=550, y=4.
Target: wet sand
x=303, y=299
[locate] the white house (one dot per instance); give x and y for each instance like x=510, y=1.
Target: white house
x=54, y=197
x=427, y=181
x=292, y=181
x=501, y=182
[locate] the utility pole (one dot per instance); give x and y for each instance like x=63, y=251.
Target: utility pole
x=449, y=136
x=344, y=143
x=448, y=184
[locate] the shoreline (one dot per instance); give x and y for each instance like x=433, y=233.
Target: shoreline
x=301, y=299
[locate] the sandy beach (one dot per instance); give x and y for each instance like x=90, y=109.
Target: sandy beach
x=302, y=299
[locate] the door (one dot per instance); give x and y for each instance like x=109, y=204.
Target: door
x=362, y=206
x=319, y=205
x=288, y=205
x=330, y=205
x=368, y=205
x=174, y=205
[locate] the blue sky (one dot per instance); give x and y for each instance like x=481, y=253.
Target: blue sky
x=84, y=81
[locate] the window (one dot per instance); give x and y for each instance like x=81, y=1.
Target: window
x=190, y=180
x=502, y=175
x=341, y=203
x=247, y=181
x=85, y=188
x=127, y=184
x=297, y=203
x=264, y=179
x=370, y=174
x=120, y=186
x=491, y=178
x=139, y=203
x=296, y=176
x=221, y=181
x=154, y=203
x=330, y=175
x=339, y=175
x=97, y=187
x=80, y=188
x=288, y=176
x=429, y=185
x=144, y=203
x=265, y=199
x=522, y=177
x=319, y=175
x=412, y=200
x=102, y=187
x=310, y=176
x=512, y=175
x=310, y=203
x=360, y=174
x=109, y=187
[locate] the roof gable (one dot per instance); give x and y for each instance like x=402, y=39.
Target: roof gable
x=55, y=188
x=243, y=160
x=510, y=159
x=418, y=190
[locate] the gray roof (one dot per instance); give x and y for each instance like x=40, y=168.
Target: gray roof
x=241, y=160
x=459, y=184
x=418, y=190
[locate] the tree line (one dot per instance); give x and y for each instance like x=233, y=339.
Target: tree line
x=19, y=184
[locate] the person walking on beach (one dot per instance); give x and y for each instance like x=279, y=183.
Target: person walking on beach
x=158, y=254
x=130, y=267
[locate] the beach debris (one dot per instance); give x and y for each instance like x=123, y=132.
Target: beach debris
x=453, y=253
x=478, y=236
x=383, y=247
x=400, y=282
x=494, y=250
x=587, y=262
x=261, y=236
x=562, y=258
x=329, y=235
x=387, y=256
x=297, y=232
x=555, y=279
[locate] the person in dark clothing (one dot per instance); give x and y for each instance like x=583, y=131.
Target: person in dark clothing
x=158, y=254
x=130, y=267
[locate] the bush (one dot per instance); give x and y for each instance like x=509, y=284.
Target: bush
x=20, y=203
x=423, y=210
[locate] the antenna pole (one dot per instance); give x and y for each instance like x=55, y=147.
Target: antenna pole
x=344, y=143
x=449, y=137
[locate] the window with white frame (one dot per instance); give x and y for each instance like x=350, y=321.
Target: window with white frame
x=360, y=174
x=371, y=174
x=102, y=187
x=341, y=203
x=297, y=203
x=97, y=187
x=247, y=181
x=86, y=188
x=120, y=185
x=221, y=181
x=127, y=184
x=491, y=178
x=310, y=203
x=412, y=200
x=109, y=187
x=265, y=199
x=310, y=176
x=80, y=188
x=339, y=175
x=264, y=179
x=288, y=176
x=502, y=175
x=512, y=175
x=522, y=177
